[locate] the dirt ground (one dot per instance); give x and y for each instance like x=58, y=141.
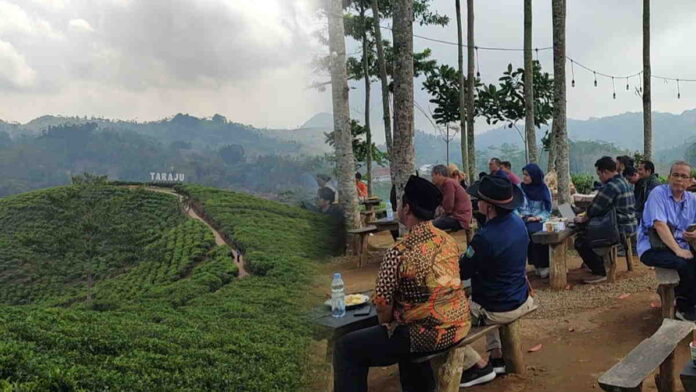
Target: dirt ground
x=583, y=330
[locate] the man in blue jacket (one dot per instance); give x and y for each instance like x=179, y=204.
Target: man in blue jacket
x=496, y=264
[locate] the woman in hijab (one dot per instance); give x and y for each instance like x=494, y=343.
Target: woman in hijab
x=535, y=211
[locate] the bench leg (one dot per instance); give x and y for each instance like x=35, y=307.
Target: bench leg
x=363, y=250
x=557, y=266
x=666, y=293
x=511, y=339
x=629, y=254
x=610, y=264
x=664, y=379
x=448, y=370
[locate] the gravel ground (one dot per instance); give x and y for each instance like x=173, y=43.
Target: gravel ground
x=553, y=304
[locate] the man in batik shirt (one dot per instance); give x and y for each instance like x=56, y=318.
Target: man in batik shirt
x=419, y=298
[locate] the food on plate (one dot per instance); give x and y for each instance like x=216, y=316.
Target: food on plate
x=355, y=299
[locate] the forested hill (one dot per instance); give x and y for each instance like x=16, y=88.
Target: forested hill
x=209, y=152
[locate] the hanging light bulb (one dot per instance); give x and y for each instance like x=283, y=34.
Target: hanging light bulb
x=613, y=87
x=626, y=83
x=595, y=78
x=478, y=67
x=572, y=71
x=678, y=91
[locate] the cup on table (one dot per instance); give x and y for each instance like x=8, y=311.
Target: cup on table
x=548, y=227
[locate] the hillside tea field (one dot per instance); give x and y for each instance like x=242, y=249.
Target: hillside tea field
x=108, y=288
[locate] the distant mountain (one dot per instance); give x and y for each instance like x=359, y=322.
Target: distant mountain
x=623, y=130
x=319, y=120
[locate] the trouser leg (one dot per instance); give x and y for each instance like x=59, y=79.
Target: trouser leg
x=685, y=292
x=589, y=257
x=357, y=351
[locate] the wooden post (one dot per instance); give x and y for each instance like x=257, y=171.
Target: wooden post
x=448, y=370
x=609, y=257
x=557, y=266
x=628, y=248
x=664, y=379
x=666, y=293
x=511, y=339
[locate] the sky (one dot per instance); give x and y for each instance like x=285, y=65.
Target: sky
x=252, y=61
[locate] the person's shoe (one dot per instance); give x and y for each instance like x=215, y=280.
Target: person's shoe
x=686, y=315
x=476, y=375
x=543, y=273
x=595, y=279
x=498, y=365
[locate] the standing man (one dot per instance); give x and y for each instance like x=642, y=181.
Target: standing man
x=456, y=204
x=647, y=182
x=420, y=302
x=663, y=239
x=507, y=168
x=495, y=262
x=495, y=167
x=615, y=193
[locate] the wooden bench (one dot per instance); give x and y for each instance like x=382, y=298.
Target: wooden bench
x=667, y=280
x=558, y=248
x=656, y=351
x=610, y=255
x=361, y=248
x=447, y=365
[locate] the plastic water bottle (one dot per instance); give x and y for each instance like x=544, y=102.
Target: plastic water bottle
x=338, y=297
x=390, y=211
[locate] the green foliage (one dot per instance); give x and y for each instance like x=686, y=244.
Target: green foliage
x=584, y=183
x=505, y=103
x=168, y=313
x=360, y=148
x=442, y=83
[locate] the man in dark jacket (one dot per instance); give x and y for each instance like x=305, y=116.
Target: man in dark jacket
x=647, y=182
x=495, y=262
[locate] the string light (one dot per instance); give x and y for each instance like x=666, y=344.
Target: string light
x=573, y=62
x=613, y=87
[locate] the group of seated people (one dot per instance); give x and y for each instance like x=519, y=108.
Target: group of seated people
x=419, y=296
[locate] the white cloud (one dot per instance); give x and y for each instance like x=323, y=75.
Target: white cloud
x=80, y=25
x=14, y=71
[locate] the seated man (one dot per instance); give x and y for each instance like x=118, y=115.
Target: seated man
x=326, y=205
x=615, y=193
x=419, y=298
x=495, y=262
x=495, y=167
x=647, y=182
x=456, y=204
x=507, y=168
x=669, y=211
x=360, y=186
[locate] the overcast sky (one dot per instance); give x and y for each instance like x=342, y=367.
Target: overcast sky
x=250, y=60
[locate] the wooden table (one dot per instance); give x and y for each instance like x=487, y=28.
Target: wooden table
x=370, y=205
x=331, y=328
x=558, y=247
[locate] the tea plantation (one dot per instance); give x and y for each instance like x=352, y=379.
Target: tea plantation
x=104, y=288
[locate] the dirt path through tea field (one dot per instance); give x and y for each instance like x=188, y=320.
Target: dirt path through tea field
x=237, y=258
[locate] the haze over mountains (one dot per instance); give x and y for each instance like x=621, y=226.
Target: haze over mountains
x=623, y=130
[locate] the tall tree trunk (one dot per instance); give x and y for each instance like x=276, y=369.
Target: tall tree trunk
x=647, y=76
x=470, y=89
x=382, y=63
x=462, y=91
x=559, y=100
x=403, y=151
x=529, y=130
x=553, y=148
x=345, y=160
x=366, y=75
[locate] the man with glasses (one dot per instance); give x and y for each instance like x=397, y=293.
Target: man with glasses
x=663, y=236
x=615, y=193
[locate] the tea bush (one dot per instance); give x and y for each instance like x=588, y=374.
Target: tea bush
x=105, y=288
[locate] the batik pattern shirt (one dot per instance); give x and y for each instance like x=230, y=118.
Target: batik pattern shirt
x=420, y=278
